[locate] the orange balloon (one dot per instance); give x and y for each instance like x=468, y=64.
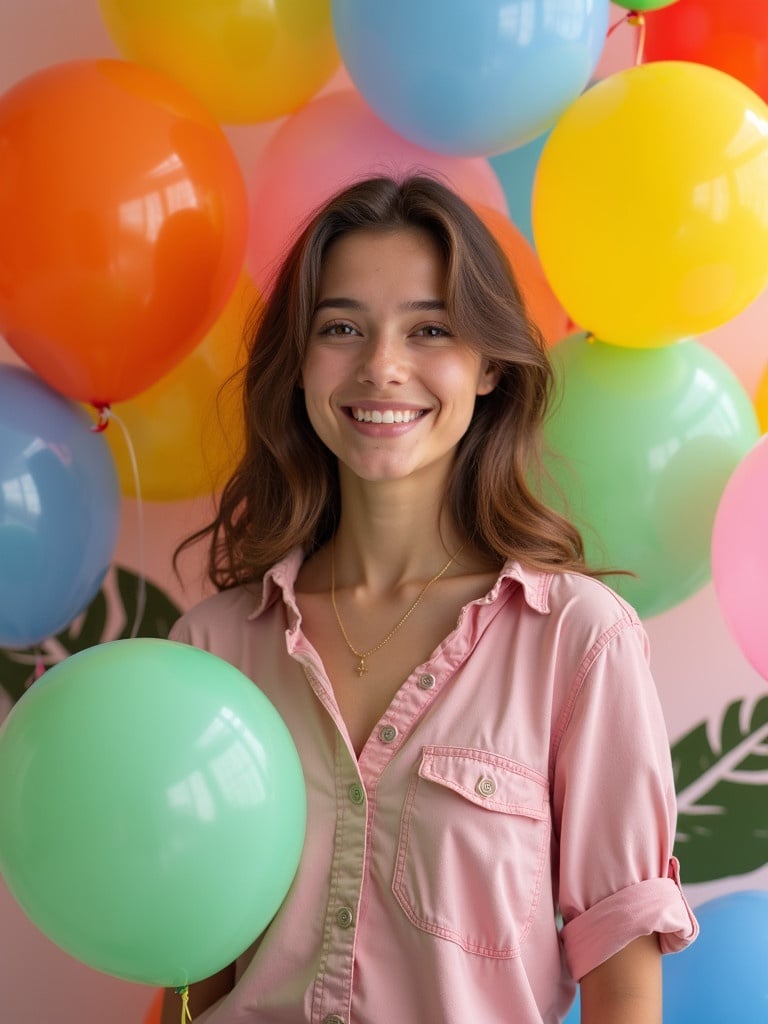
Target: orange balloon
x=155, y=1011
x=186, y=430
x=541, y=302
x=123, y=213
x=761, y=402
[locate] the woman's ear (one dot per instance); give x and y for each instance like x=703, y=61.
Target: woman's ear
x=489, y=378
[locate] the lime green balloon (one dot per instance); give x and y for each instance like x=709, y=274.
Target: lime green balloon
x=644, y=5
x=152, y=809
x=642, y=443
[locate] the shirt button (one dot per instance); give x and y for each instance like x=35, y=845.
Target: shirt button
x=486, y=786
x=387, y=733
x=427, y=681
x=356, y=793
x=333, y=1018
x=344, y=917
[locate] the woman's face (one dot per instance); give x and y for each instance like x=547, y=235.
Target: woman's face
x=389, y=387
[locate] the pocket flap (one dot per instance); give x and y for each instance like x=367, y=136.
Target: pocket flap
x=488, y=780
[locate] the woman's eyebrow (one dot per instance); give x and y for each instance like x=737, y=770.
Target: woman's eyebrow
x=339, y=303
x=414, y=305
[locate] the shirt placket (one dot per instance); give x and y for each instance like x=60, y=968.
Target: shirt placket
x=332, y=1000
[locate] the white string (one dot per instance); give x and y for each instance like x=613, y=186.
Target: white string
x=141, y=592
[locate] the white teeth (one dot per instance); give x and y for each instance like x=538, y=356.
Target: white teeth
x=386, y=415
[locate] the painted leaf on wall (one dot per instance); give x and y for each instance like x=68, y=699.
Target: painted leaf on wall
x=721, y=778
x=110, y=616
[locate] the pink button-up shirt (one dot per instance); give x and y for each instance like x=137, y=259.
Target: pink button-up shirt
x=507, y=827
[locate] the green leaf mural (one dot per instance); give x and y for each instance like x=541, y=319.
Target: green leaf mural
x=721, y=778
x=110, y=616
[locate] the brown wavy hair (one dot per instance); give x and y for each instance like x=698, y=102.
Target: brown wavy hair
x=285, y=490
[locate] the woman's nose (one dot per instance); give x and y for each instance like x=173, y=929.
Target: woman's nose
x=383, y=360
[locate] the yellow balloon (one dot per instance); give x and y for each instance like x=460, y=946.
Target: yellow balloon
x=247, y=62
x=650, y=204
x=186, y=430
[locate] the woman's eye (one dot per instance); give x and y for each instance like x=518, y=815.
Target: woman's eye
x=339, y=329
x=433, y=331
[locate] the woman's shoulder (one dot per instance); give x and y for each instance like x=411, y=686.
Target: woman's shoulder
x=225, y=610
x=558, y=592
x=590, y=595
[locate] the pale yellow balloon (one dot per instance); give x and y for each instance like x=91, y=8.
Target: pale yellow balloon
x=650, y=204
x=187, y=429
x=248, y=62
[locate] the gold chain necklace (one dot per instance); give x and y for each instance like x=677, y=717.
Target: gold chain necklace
x=363, y=655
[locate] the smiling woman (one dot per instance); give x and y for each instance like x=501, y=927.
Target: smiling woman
x=479, y=730
x=389, y=392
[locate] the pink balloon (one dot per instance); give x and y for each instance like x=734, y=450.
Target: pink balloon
x=329, y=143
x=740, y=555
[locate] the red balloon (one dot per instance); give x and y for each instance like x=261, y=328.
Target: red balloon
x=124, y=219
x=731, y=35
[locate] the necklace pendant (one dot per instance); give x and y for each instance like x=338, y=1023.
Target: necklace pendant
x=361, y=667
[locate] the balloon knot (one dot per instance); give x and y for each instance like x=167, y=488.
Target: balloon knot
x=105, y=413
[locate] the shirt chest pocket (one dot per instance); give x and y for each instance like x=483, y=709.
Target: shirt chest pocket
x=473, y=849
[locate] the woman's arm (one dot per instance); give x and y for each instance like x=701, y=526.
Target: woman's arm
x=201, y=995
x=626, y=988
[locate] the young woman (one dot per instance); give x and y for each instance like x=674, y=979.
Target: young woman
x=491, y=806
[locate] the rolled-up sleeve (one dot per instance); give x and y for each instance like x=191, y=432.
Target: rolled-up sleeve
x=615, y=809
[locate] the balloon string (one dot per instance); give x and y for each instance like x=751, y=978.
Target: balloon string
x=184, y=993
x=637, y=19
x=106, y=413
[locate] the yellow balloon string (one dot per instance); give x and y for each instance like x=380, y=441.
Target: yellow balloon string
x=185, y=1014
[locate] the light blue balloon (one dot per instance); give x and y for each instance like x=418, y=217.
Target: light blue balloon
x=722, y=976
x=574, y=1014
x=516, y=170
x=59, y=509
x=470, y=77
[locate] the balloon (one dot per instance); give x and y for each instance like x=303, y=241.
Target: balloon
x=574, y=1014
x=246, y=61
x=59, y=509
x=543, y=307
x=644, y=5
x=154, y=1014
x=761, y=401
x=516, y=170
x=468, y=78
x=740, y=555
x=124, y=220
x=650, y=228
x=642, y=442
x=152, y=809
x=330, y=143
x=721, y=977
x=186, y=430
x=730, y=36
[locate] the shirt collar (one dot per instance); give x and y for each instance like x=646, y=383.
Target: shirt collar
x=280, y=580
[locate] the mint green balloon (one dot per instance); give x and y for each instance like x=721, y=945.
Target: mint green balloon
x=642, y=443
x=152, y=809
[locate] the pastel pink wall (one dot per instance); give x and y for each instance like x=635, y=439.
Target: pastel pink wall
x=698, y=666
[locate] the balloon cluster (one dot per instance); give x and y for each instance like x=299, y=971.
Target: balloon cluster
x=133, y=245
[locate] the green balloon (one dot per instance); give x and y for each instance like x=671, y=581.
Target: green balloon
x=641, y=444
x=152, y=809
x=644, y=5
